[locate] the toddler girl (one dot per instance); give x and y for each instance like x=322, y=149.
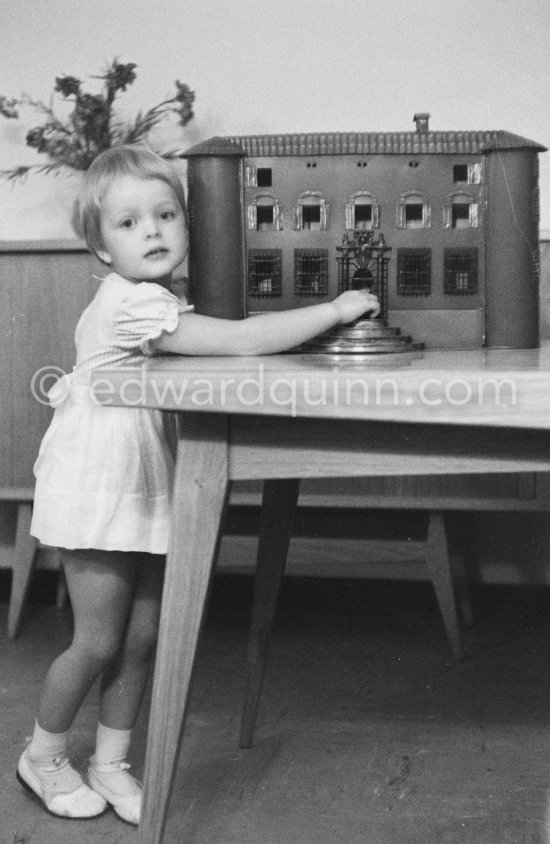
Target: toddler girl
x=104, y=474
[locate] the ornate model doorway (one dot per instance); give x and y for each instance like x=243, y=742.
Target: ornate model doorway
x=363, y=263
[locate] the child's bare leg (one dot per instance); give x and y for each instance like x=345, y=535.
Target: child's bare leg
x=124, y=680
x=122, y=687
x=101, y=586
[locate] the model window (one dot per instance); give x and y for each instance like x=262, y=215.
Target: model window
x=460, y=215
x=460, y=212
x=460, y=271
x=468, y=173
x=263, y=177
x=460, y=173
x=413, y=211
x=363, y=215
x=362, y=212
x=264, y=213
x=264, y=272
x=413, y=215
x=310, y=272
x=264, y=217
x=257, y=177
x=414, y=272
x=311, y=212
x=311, y=217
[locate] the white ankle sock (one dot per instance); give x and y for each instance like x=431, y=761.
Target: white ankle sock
x=44, y=746
x=108, y=764
x=111, y=745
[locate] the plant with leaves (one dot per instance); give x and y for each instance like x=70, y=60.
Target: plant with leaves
x=92, y=125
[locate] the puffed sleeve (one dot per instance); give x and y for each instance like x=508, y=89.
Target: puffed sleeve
x=145, y=315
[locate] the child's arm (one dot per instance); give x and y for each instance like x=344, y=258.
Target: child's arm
x=263, y=334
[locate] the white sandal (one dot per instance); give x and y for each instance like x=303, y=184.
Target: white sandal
x=126, y=801
x=79, y=803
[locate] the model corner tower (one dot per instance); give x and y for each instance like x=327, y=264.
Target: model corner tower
x=217, y=263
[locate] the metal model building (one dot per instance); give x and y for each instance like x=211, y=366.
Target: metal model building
x=443, y=226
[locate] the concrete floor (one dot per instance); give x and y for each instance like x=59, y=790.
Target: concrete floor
x=368, y=732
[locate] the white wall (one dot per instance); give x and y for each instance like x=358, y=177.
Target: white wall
x=281, y=66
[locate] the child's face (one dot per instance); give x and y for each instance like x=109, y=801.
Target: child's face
x=143, y=229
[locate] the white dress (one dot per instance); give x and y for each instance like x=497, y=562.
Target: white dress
x=104, y=474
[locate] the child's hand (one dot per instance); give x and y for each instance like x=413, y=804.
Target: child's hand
x=353, y=303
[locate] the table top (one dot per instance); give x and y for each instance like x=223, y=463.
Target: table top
x=492, y=387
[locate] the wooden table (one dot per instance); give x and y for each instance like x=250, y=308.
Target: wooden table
x=287, y=417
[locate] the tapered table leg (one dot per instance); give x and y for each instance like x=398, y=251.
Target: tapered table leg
x=278, y=506
x=438, y=563
x=200, y=494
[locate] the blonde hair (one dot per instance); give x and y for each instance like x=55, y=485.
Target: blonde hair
x=123, y=160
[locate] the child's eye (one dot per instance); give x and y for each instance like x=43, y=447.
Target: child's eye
x=127, y=223
x=167, y=215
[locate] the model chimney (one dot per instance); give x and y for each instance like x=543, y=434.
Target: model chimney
x=422, y=124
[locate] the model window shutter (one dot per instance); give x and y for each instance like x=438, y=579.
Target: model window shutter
x=400, y=215
x=375, y=215
x=474, y=215
x=323, y=224
x=277, y=216
x=252, y=215
x=350, y=215
x=427, y=215
x=474, y=174
x=250, y=177
x=298, y=220
x=447, y=216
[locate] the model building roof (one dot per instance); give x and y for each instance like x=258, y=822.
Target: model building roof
x=377, y=143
